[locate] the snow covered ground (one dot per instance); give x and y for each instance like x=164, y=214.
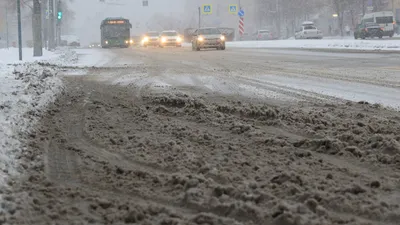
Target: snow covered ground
x=25, y=89
x=322, y=44
x=10, y=56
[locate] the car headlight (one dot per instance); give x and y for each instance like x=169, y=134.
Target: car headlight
x=200, y=38
x=222, y=38
x=106, y=42
x=163, y=39
x=179, y=39
x=145, y=39
x=126, y=42
x=131, y=41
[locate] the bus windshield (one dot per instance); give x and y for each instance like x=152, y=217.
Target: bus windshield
x=384, y=19
x=115, y=30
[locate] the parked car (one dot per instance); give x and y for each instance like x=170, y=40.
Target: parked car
x=262, y=35
x=368, y=30
x=245, y=37
x=308, y=31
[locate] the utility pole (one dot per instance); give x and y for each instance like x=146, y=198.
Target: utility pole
x=19, y=29
x=8, y=42
x=199, y=17
x=51, y=25
x=363, y=5
x=58, y=24
x=45, y=23
x=37, y=29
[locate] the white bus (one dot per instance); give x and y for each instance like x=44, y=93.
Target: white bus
x=384, y=19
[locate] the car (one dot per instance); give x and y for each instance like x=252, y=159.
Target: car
x=208, y=37
x=94, y=45
x=70, y=40
x=262, y=35
x=151, y=38
x=308, y=31
x=245, y=37
x=368, y=30
x=170, y=38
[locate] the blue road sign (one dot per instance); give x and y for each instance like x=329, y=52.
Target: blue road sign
x=207, y=9
x=241, y=12
x=233, y=8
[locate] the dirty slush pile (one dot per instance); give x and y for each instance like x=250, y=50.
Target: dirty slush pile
x=105, y=155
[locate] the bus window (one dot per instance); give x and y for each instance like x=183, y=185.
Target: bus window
x=384, y=19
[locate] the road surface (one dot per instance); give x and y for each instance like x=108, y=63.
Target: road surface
x=242, y=136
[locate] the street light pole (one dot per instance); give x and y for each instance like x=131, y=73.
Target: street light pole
x=19, y=29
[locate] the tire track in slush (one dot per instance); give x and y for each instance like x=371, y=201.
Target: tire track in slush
x=63, y=167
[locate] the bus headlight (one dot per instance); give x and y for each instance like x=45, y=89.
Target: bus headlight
x=163, y=39
x=179, y=39
x=200, y=38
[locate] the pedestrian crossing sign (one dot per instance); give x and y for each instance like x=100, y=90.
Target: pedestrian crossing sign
x=233, y=9
x=207, y=9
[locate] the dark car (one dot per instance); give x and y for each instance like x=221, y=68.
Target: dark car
x=368, y=30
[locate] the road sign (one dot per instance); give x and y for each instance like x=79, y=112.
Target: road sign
x=233, y=8
x=207, y=9
x=241, y=13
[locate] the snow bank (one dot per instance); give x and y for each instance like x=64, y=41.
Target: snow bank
x=25, y=90
x=322, y=44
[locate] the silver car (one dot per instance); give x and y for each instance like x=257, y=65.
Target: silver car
x=208, y=37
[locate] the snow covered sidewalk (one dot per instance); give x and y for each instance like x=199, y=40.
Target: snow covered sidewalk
x=385, y=44
x=26, y=88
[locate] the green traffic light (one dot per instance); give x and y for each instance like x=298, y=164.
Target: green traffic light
x=59, y=15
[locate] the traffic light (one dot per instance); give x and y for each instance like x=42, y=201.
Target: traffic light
x=59, y=15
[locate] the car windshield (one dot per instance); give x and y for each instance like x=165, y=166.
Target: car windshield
x=263, y=31
x=309, y=27
x=152, y=34
x=384, y=19
x=170, y=34
x=209, y=31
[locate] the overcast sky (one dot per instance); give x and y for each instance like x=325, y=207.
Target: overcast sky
x=90, y=13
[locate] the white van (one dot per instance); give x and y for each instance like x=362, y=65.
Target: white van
x=384, y=19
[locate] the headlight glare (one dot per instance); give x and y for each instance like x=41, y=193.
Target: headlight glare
x=222, y=38
x=163, y=39
x=200, y=38
x=145, y=39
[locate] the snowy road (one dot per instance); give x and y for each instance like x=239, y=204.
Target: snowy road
x=235, y=137
x=264, y=73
